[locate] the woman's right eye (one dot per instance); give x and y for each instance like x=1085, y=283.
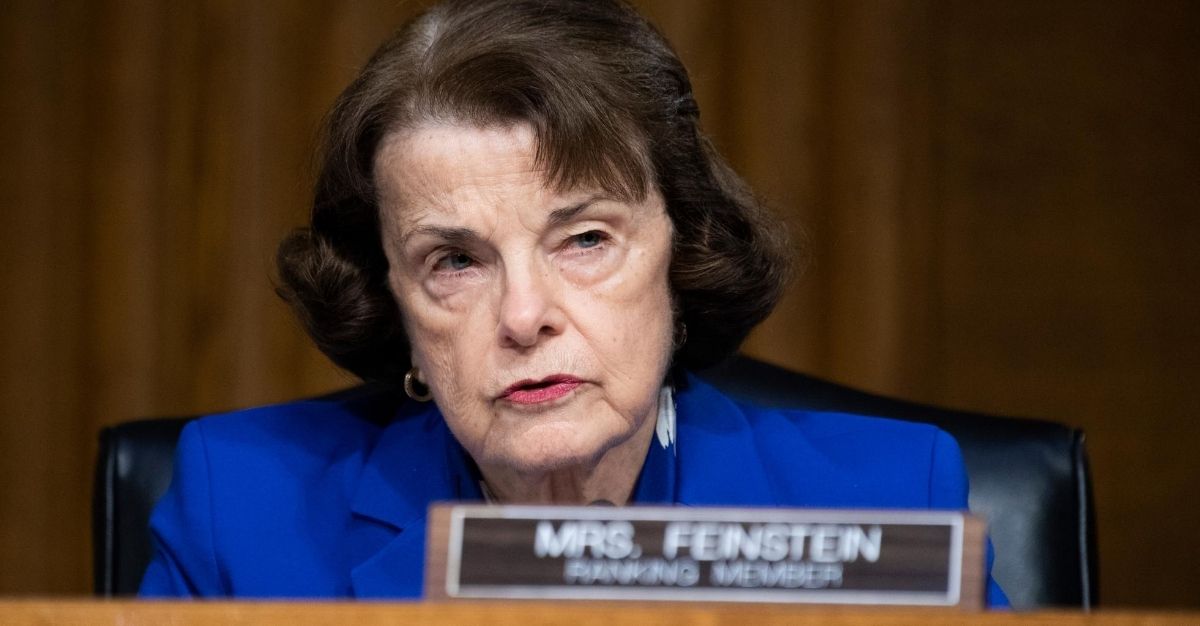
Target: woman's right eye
x=454, y=262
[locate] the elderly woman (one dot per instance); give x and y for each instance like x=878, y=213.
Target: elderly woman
x=520, y=224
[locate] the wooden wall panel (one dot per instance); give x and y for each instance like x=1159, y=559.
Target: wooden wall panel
x=44, y=440
x=998, y=199
x=1069, y=167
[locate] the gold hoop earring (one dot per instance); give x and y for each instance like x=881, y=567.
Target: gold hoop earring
x=414, y=388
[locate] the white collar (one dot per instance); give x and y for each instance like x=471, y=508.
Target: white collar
x=665, y=429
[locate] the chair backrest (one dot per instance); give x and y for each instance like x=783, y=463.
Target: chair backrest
x=1029, y=478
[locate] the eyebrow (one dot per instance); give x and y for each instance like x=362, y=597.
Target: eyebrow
x=558, y=217
x=451, y=235
x=461, y=236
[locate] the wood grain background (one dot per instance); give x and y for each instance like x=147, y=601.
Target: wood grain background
x=1000, y=197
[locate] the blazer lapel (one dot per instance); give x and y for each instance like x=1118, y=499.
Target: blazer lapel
x=416, y=462
x=397, y=570
x=718, y=461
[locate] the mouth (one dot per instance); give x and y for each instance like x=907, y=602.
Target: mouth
x=538, y=391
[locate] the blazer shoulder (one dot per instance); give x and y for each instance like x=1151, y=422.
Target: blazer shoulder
x=277, y=454
x=885, y=462
x=289, y=467
x=316, y=427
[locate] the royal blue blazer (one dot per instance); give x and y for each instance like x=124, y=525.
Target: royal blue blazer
x=327, y=498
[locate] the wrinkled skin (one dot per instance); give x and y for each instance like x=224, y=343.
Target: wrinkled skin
x=502, y=279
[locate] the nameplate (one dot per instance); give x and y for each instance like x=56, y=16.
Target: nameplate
x=875, y=557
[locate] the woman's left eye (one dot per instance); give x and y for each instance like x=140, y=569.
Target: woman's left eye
x=589, y=239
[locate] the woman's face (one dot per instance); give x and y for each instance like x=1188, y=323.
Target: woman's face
x=540, y=318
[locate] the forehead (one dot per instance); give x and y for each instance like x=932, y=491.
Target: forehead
x=441, y=167
x=444, y=154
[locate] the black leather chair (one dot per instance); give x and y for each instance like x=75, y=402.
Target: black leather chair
x=1029, y=478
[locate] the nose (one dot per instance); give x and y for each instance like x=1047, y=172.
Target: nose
x=530, y=310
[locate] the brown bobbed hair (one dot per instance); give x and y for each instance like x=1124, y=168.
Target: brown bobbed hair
x=611, y=107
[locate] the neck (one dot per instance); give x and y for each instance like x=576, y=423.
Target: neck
x=609, y=478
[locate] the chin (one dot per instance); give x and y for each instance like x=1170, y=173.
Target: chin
x=534, y=466
x=544, y=452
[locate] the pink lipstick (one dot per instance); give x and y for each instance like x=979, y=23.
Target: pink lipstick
x=538, y=391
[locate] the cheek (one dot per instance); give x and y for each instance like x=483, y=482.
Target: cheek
x=433, y=335
x=648, y=291
x=449, y=366
x=637, y=325
x=441, y=350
